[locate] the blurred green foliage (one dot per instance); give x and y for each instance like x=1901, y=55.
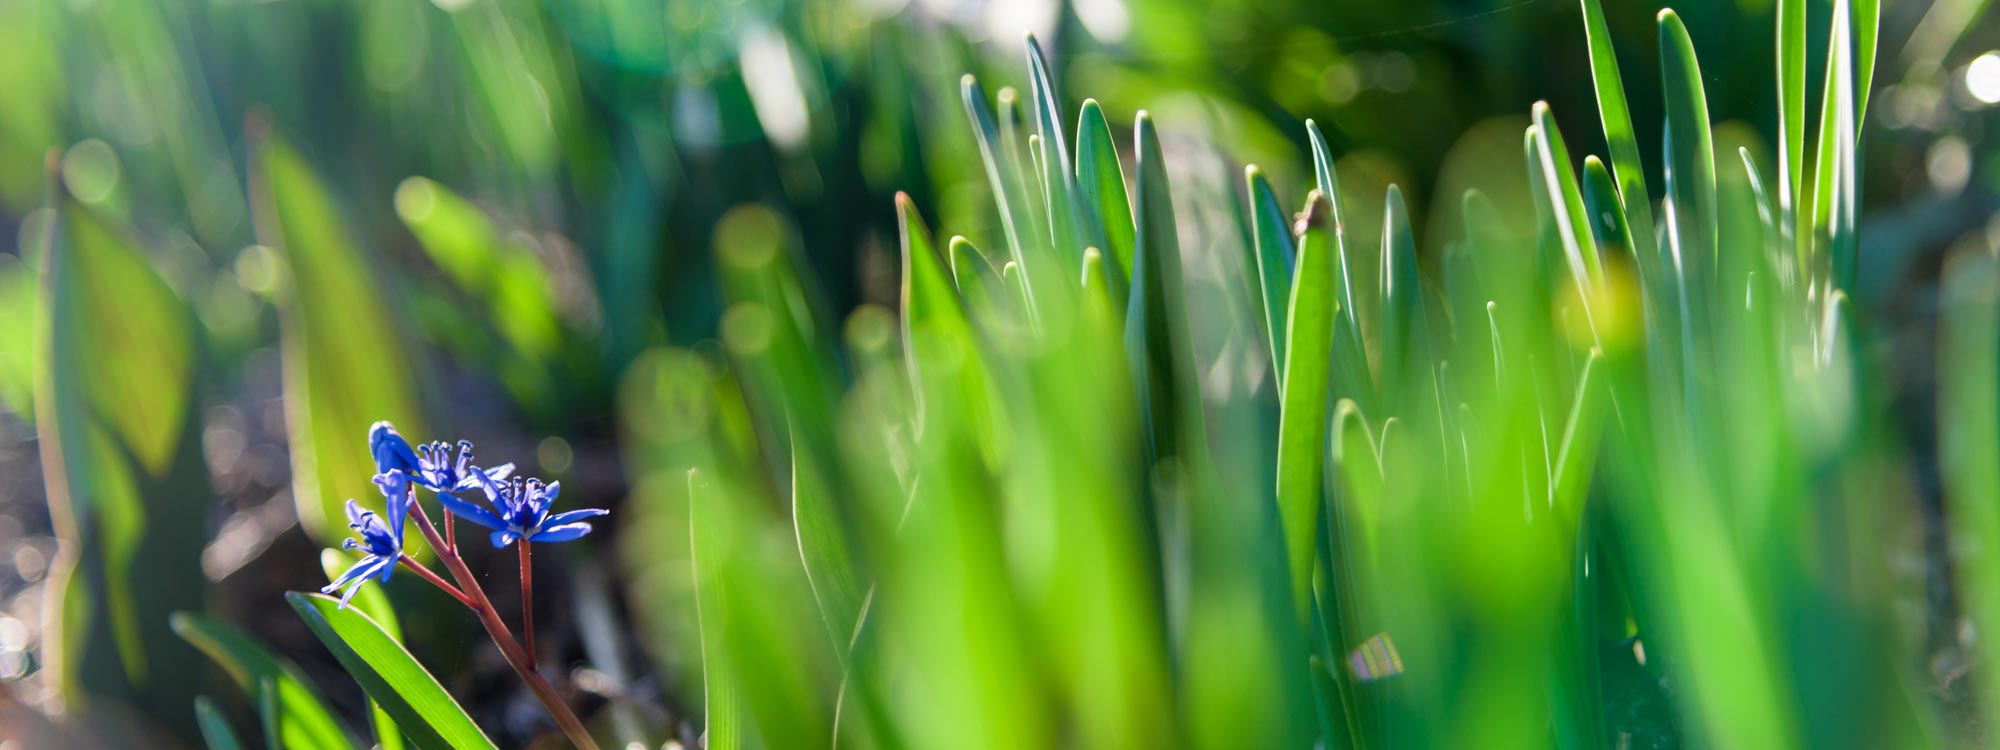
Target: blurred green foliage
x=1487, y=446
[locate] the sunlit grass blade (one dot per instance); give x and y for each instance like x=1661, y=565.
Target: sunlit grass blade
x=424, y=712
x=721, y=704
x=346, y=365
x=1329, y=188
x=1057, y=170
x=1009, y=195
x=1834, y=199
x=127, y=487
x=1272, y=236
x=1791, y=56
x=214, y=726
x=1616, y=118
x=303, y=719
x=1692, y=153
x=1566, y=200
x=1100, y=185
x=1302, y=425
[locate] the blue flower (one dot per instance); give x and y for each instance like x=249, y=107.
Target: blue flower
x=382, y=548
x=431, y=465
x=521, y=511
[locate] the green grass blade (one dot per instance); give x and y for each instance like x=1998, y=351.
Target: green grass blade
x=1607, y=215
x=303, y=720
x=214, y=726
x=1156, y=333
x=1272, y=235
x=1302, y=421
x=1566, y=198
x=723, y=715
x=117, y=368
x=1791, y=56
x=345, y=364
x=1968, y=413
x=1002, y=176
x=1616, y=117
x=1405, y=326
x=1329, y=187
x=424, y=712
x=1057, y=170
x=1693, y=150
x=1100, y=183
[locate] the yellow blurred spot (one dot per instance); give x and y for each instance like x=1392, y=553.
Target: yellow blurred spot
x=554, y=455
x=416, y=197
x=90, y=170
x=1616, y=309
x=257, y=269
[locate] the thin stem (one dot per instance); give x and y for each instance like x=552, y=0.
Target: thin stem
x=527, y=602
x=509, y=648
x=435, y=580
x=450, y=530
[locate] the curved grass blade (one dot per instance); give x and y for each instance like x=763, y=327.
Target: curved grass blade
x=424, y=712
x=303, y=720
x=723, y=714
x=1791, y=56
x=1272, y=236
x=1405, y=326
x=214, y=726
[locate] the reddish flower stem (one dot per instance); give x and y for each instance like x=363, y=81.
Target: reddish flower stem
x=431, y=576
x=511, y=649
x=527, y=602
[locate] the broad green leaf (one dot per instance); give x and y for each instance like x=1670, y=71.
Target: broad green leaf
x=1272, y=235
x=1692, y=152
x=1100, y=183
x=1302, y=420
x=116, y=373
x=346, y=365
x=374, y=603
x=303, y=720
x=1617, y=120
x=425, y=714
x=1156, y=332
x=214, y=726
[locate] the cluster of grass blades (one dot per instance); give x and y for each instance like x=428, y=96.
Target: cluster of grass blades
x=1610, y=486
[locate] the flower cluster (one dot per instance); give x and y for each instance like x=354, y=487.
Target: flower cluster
x=516, y=509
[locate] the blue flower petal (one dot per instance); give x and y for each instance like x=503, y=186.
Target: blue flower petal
x=573, y=516
x=470, y=512
x=502, y=538
x=390, y=450
x=563, y=533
